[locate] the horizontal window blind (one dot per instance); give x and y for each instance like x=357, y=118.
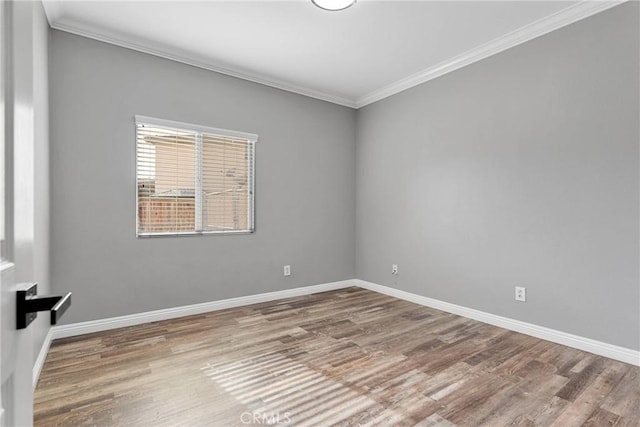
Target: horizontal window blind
x=193, y=180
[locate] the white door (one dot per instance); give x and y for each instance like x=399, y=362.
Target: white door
x=17, y=358
x=16, y=368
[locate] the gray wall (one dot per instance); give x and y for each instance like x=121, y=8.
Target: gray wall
x=305, y=184
x=521, y=169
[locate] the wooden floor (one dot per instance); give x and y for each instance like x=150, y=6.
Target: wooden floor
x=347, y=357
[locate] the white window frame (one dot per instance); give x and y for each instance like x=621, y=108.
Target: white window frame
x=199, y=130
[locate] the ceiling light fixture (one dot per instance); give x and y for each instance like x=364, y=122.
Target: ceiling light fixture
x=333, y=5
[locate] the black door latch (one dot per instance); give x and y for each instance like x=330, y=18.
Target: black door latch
x=29, y=304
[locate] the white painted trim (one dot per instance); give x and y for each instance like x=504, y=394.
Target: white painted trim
x=173, y=124
x=564, y=17
x=91, y=326
x=6, y=265
x=597, y=347
x=538, y=28
x=207, y=65
x=42, y=356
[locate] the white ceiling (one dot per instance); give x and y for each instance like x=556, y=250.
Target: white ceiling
x=353, y=57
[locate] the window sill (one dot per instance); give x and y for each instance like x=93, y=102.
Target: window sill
x=194, y=233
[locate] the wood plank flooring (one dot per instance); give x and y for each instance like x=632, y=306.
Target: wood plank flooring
x=348, y=357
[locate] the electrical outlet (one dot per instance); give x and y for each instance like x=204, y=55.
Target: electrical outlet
x=521, y=293
x=287, y=270
x=394, y=269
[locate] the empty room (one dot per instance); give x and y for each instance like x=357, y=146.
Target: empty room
x=320, y=213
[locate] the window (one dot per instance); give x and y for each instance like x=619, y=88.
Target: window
x=192, y=179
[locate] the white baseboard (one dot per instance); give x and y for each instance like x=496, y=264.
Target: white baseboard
x=42, y=356
x=597, y=347
x=91, y=326
x=581, y=343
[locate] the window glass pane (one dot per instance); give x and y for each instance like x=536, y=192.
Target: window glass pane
x=225, y=164
x=166, y=180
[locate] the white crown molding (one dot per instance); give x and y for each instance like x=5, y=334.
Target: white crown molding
x=538, y=28
x=567, y=16
x=207, y=65
x=581, y=343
